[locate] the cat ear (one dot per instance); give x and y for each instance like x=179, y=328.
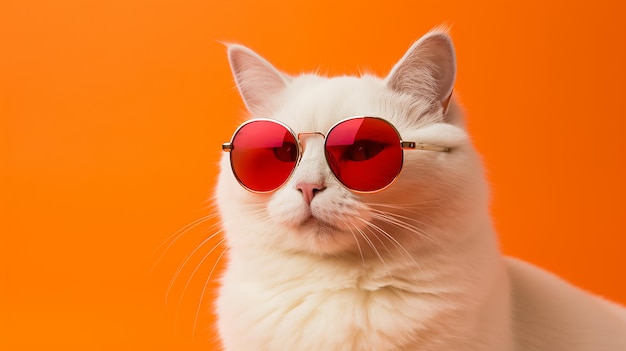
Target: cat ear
x=427, y=70
x=257, y=80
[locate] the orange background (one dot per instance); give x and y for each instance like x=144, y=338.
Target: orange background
x=112, y=114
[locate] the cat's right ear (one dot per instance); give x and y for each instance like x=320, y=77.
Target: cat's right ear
x=427, y=70
x=258, y=81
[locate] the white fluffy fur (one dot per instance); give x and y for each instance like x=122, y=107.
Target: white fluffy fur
x=414, y=267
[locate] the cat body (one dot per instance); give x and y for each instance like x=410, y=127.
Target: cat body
x=416, y=266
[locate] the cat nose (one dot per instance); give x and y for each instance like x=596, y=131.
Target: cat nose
x=309, y=190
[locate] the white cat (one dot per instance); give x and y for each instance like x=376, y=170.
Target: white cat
x=313, y=265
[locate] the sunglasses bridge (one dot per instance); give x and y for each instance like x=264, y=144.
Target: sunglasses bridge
x=302, y=135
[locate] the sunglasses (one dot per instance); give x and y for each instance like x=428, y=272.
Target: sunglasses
x=365, y=154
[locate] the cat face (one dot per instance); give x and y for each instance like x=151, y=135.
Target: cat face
x=313, y=212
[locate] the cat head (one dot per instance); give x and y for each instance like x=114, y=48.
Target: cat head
x=433, y=196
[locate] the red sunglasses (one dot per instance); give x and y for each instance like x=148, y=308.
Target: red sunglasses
x=365, y=154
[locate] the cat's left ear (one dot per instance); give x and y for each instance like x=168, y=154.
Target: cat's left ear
x=427, y=70
x=259, y=83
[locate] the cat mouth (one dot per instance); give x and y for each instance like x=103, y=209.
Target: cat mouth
x=318, y=224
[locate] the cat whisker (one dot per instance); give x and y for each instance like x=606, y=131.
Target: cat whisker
x=187, y=259
x=400, y=221
x=414, y=208
x=417, y=211
x=358, y=245
x=167, y=244
x=194, y=272
x=204, y=287
x=372, y=228
x=371, y=244
x=405, y=207
x=403, y=222
x=393, y=240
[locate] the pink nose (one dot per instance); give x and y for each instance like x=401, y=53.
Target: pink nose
x=309, y=190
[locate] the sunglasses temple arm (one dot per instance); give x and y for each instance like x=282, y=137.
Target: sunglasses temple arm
x=410, y=145
x=407, y=145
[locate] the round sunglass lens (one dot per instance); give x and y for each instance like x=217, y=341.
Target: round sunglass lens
x=263, y=155
x=364, y=153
